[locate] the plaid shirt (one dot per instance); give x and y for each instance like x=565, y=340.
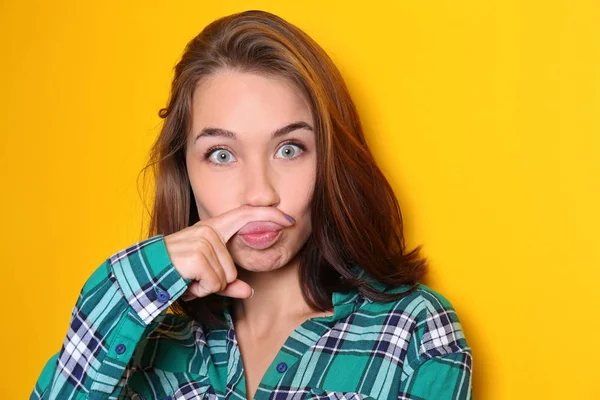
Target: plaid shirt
x=123, y=344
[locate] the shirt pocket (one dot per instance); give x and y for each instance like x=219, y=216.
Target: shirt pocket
x=164, y=385
x=194, y=390
x=321, y=394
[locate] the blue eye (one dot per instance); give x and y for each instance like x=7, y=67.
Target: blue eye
x=289, y=150
x=221, y=156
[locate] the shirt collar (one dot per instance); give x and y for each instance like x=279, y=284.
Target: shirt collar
x=344, y=303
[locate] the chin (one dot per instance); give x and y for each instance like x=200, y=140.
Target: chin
x=261, y=260
x=272, y=258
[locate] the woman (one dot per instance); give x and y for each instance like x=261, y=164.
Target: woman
x=275, y=240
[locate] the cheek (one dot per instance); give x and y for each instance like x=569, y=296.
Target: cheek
x=297, y=190
x=213, y=194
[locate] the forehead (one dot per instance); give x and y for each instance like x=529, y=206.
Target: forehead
x=242, y=101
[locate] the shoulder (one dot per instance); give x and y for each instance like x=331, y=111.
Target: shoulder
x=423, y=302
x=423, y=321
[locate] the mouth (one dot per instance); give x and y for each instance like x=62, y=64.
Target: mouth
x=260, y=235
x=261, y=240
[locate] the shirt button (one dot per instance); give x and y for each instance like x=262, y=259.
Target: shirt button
x=120, y=349
x=281, y=367
x=163, y=296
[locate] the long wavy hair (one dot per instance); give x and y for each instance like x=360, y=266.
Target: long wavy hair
x=356, y=220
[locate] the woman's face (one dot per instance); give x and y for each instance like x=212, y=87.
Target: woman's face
x=250, y=165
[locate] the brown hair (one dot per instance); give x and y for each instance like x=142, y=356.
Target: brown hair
x=356, y=218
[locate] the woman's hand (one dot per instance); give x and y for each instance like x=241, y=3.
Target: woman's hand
x=199, y=252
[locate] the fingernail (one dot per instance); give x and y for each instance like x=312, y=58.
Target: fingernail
x=289, y=218
x=252, y=293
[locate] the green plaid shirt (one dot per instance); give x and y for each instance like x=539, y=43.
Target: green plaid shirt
x=123, y=344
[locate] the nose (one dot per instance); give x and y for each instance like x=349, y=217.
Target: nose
x=259, y=188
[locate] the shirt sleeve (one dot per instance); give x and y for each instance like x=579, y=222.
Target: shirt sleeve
x=441, y=377
x=113, y=312
x=439, y=361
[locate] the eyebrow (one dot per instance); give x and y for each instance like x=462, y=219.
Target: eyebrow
x=209, y=131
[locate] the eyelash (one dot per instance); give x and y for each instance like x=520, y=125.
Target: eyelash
x=212, y=149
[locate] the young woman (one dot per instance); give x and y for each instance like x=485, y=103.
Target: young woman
x=275, y=241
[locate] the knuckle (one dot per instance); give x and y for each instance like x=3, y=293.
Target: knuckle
x=197, y=258
x=200, y=291
x=198, y=264
x=215, y=234
x=202, y=245
x=212, y=285
x=208, y=231
x=203, y=229
x=231, y=273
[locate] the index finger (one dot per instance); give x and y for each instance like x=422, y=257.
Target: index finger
x=228, y=223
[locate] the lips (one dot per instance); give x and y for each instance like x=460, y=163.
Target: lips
x=260, y=235
x=260, y=227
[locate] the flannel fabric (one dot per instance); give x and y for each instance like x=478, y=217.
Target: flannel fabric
x=122, y=343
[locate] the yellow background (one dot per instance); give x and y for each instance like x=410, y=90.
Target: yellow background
x=484, y=115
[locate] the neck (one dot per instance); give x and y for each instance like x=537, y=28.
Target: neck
x=277, y=300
